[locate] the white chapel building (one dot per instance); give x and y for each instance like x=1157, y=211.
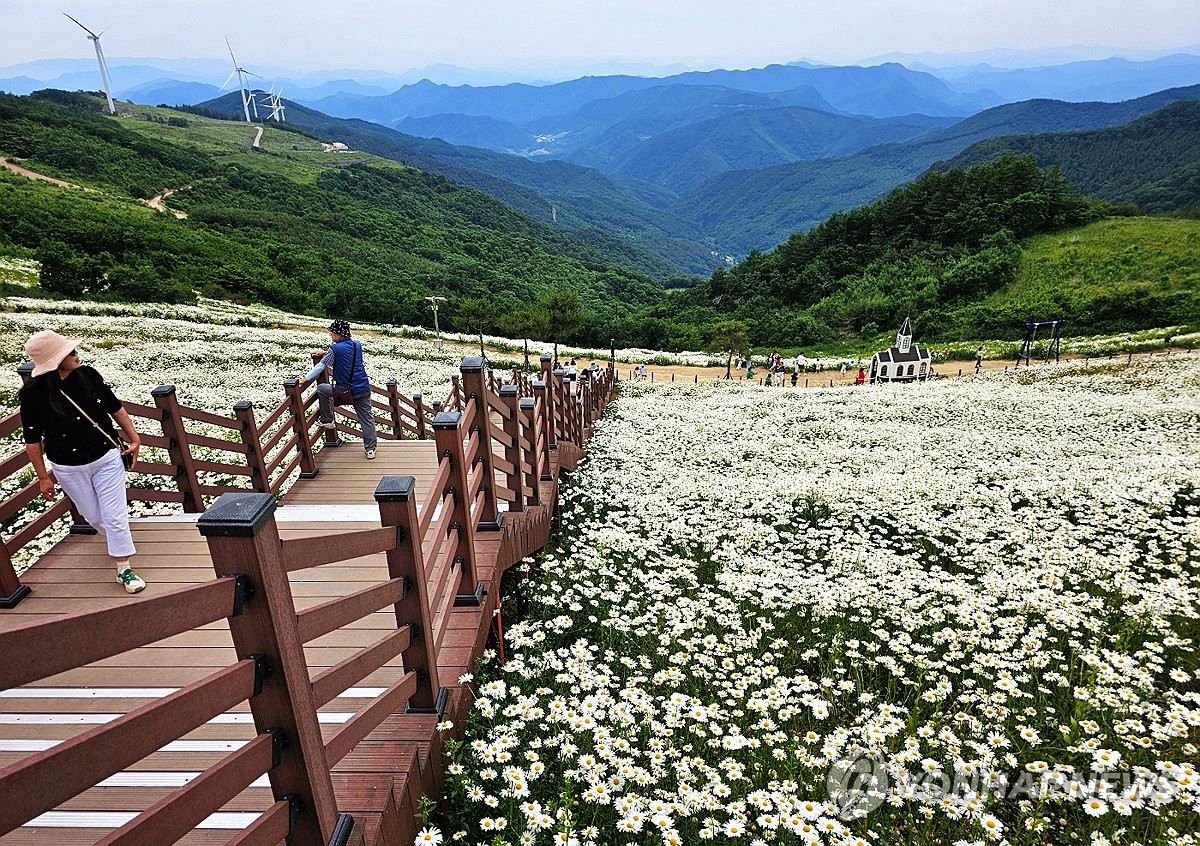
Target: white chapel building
x=904, y=362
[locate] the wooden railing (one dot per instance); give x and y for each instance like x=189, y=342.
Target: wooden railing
x=493, y=446
x=262, y=455
x=46, y=779
x=259, y=455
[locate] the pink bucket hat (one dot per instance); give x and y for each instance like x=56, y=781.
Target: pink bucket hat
x=47, y=349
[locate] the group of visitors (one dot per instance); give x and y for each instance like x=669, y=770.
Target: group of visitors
x=68, y=411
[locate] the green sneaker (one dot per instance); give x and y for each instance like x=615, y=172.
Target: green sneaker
x=132, y=581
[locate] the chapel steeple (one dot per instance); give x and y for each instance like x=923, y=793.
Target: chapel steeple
x=904, y=337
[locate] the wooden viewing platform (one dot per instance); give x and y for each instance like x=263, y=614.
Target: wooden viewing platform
x=283, y=675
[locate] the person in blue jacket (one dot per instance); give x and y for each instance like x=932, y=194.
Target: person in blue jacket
x=344, y=358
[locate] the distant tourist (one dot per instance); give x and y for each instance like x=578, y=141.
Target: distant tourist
x=642, y=371
x=795, y=376
x=861, y=378
x=67, y=412
x=979, y=359
x=344, y=359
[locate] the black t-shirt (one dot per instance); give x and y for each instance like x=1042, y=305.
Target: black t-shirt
x=49, y=418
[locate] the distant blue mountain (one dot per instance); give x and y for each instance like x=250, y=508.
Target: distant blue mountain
x=757, y=209
x=171, y=92
x=883, y=91
x=1108, y=80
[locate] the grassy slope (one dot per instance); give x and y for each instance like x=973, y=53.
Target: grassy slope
x=1093, y=272
x=464, y=226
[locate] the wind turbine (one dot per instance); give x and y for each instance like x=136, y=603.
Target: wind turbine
x=95, y=39
x=241, y=73
x=274, y=102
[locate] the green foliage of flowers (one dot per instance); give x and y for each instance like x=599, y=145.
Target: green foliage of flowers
x=960, y=613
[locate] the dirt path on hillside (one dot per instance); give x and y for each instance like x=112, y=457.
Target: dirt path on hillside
x=40, y=177
x=158, y=202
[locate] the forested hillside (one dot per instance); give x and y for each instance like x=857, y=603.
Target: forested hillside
x=759, y=209
x=950, y=250
x=626, y=219
x=353, y=236
x=1153, y=163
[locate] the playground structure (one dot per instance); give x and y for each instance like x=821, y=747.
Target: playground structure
x=1031, y=327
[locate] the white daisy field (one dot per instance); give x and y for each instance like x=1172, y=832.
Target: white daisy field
x=963, y=612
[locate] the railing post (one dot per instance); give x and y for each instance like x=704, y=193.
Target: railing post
x=456, y=395
x=549, y=412
x=542, y=396
x=447, y=434
x=561, y=409
x=394, y=408
x=11, y=589
x=252, y=441
x=79, y=526
x=419, y=407
x=475, y=387
x=295, y=395
x=513, y=454
x=244, y=540
x=531, y=424
x=397, y=500
x=332, y=439
x=179, y=448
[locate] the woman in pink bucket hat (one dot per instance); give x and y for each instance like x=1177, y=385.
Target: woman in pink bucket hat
x=67, y=412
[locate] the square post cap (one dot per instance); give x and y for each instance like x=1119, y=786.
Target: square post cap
x=395, y=489
x=528, y=403
x=236, y=515
x=508, y=390
x=447, y=420
x=472, y=364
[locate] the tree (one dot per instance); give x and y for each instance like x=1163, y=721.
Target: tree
x=476, y=314
x=563, y=314
x=729, y=335
x=525, y=323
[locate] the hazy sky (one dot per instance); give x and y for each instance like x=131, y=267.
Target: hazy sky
x=529, y=34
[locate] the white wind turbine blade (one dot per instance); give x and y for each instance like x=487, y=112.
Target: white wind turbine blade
x=81, y=26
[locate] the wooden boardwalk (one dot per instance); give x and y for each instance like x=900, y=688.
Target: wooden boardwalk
x=381, y=778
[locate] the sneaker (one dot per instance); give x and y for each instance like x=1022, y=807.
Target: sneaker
x=330, y=425
x=370, y=453
x=132, y=581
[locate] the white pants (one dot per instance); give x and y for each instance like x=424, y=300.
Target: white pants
x=98, y=491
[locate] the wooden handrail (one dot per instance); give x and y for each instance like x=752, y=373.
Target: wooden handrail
x=367, y=720
x=322, y=619
x=82, y=638
x=177, y=813
x=302, y=553
x=46, y=779
x=331, y=683
x=269, y=829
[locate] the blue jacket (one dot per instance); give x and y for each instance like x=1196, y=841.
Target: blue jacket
x=345, y=358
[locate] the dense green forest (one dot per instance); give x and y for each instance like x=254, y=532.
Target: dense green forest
x=946, y=250
x=359, y=237
x=1153, y=162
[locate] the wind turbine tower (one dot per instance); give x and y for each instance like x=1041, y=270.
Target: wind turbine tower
x=241, y=73
x=95, y=39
